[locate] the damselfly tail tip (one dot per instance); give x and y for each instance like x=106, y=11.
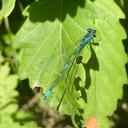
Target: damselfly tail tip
x=46, y=95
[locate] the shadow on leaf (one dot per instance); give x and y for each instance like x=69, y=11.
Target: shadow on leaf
x=55, y=9
x=120, y=117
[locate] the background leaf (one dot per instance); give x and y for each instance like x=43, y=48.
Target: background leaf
x=7, y=7
x=7, y=92
x=8, y=101
x=47, y=36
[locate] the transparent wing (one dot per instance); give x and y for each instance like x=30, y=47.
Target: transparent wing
x=66, y=92
x=51, y=66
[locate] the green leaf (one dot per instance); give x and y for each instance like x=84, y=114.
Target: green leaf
x=8, y=93
x=7, y=7
x=8, y=102
x=1, y=58
x=7, y=121
x=53, y=27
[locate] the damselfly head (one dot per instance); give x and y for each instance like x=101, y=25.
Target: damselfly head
x=92, y=31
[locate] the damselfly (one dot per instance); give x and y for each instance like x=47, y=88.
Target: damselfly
x=91, y=33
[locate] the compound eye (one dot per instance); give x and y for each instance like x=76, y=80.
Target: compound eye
x=94, y=35
x=89, y=29
x=94, y=31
